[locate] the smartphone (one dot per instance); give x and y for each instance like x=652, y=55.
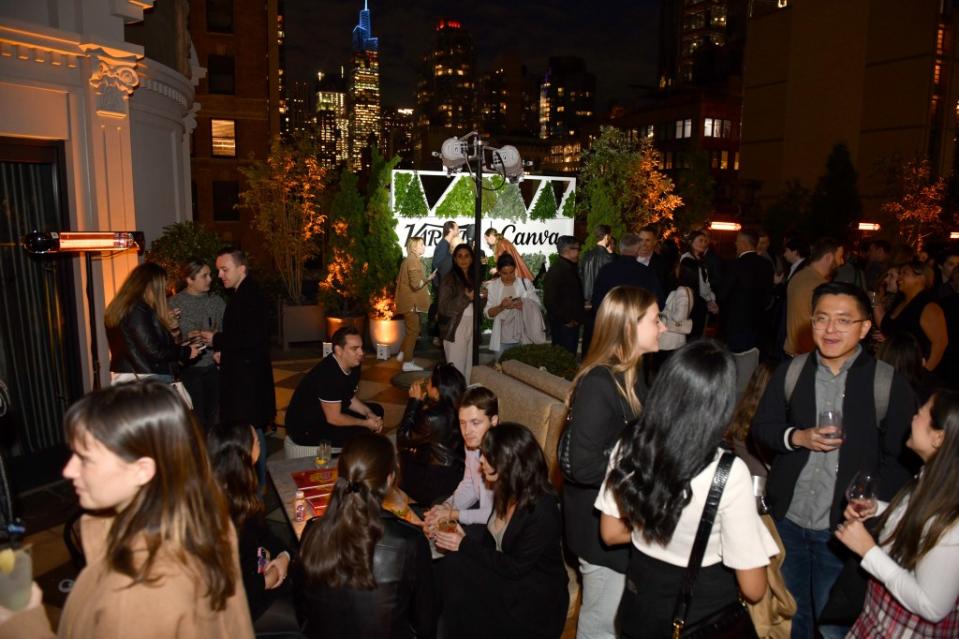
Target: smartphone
x=262, y=559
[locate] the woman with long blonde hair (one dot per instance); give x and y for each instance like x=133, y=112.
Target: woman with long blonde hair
x=606, y=395
x=141, y=329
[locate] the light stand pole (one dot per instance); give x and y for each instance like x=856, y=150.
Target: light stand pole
x=477, y=267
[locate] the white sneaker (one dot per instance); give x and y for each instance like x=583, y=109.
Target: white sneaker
x=410, y=367
x=399, y=357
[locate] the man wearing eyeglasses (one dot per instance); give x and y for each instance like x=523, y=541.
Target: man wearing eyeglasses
x=827, y=416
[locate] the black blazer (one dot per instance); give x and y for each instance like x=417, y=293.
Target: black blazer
x=141, y=344
x=521, y=591
x=626, y=271
x=402, y=606
x=563, y=292
x=866, y=447
x=246, y=375
x=747, y=289
x=662, y=268
x=251, y=536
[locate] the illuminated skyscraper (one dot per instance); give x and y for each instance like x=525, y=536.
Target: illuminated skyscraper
x=446, y=96
x=567, y=99
x=364, y=92
x=332, y=120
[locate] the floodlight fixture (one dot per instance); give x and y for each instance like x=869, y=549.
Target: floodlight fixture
x=453, y=154
x=508, y=162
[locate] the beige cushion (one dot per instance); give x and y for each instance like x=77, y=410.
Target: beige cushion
x=518, y=402
x=544, y=381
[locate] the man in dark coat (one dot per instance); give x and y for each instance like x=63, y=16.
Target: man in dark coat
x=625, y=270
x=563, y=295
x=590, y=263
x=745, y=295
x=243, y=342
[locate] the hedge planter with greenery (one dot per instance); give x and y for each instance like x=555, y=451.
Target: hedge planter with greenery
x=554, y=359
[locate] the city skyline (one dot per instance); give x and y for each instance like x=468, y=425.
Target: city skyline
x=317, y=39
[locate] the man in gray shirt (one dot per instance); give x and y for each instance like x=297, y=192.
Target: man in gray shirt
x=814, y=460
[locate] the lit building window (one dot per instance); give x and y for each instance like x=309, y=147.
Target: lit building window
x=736, y=161
x=724, y=160
x=708, y=127
x=224, y=138
x=684, y=128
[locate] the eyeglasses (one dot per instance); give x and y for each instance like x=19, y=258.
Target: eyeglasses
x=840, y=324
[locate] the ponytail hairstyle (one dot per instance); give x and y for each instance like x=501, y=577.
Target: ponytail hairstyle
x=337, y=550
x=933, y=500
x=675, y=439
x=230, y=448
x=180, y=511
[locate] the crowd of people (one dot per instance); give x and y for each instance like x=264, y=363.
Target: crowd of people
x=656, y=511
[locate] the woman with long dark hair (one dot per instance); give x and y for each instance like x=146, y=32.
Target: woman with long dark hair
x=364, y=573
x=457, y=291
x=161, y=551
x=508, y=579
x=234, y=450
x=655, y=492
x=429, y=442
x=705, y=302
x=142, y=331
x=913, y=564
x=607, y=393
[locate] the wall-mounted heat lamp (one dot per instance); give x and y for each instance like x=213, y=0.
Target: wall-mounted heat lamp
x=87, y=243
x=725, y=226
x=869, y=226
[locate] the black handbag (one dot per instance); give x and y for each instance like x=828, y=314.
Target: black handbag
x=732, y=621
x=564, y=451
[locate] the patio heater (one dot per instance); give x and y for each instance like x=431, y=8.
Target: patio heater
x=469, y=152
x=87, y=244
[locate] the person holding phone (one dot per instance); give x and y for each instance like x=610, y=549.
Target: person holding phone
x=514, y=307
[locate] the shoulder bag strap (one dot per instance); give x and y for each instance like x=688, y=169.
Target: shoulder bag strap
x=699, y=546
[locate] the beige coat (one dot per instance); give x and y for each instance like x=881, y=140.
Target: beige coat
x=412, y=287
x=101, y=605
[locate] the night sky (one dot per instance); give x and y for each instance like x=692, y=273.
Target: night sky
x=617, y=38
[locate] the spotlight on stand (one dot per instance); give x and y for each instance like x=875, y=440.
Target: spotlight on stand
x=508, y=162
x=453, y=154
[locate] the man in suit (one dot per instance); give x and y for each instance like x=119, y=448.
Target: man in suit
x=563, y=295
x=625, y=270
x=745, y=295
x=648, y=256
x=442, y=264
x=243, y=342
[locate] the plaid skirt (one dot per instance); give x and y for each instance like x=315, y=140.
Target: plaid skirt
x=883, y=616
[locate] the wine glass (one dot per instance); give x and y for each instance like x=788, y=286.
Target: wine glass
x=861, y=492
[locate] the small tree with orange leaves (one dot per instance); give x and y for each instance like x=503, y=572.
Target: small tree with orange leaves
x=343, y=286
x=649, y=197
x=918, y=210
x=284, y=193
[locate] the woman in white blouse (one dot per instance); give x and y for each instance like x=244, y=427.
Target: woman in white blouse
x=676, y=312
x=914, y=565
x=514, y=307
x=655, y=492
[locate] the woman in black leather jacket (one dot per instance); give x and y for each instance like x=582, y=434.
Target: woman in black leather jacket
x=140, y=328
x=364, y=573
x=429, y=441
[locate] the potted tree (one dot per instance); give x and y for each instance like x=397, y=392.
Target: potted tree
x=184, y=241
x=342, y=288
x=380, y=246
x=284, y=193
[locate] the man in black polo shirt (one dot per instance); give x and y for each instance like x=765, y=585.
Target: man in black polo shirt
x=325, y=406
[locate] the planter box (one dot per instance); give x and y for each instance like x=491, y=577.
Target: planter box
x=302, y=323
x=333, y=323
x=390, y=332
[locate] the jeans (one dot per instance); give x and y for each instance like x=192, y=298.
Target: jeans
x=810, y=570
x=565, y=336
x=602, y=592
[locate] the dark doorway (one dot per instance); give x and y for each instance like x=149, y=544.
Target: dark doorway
x=39, y=345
